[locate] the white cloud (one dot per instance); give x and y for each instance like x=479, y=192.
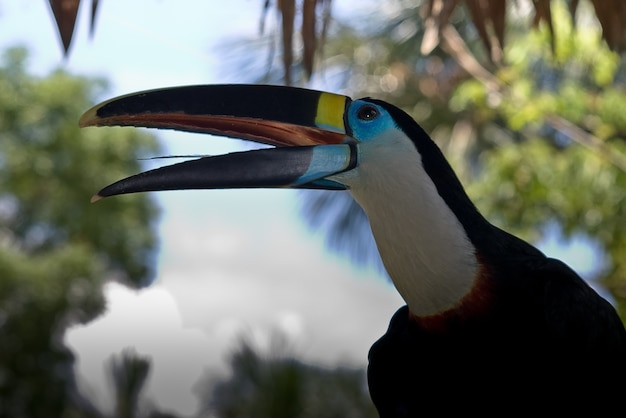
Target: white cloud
x=148, y=321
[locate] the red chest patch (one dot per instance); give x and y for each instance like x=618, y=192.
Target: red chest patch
x=474, y=306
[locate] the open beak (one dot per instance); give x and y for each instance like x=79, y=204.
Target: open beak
x=306, y=126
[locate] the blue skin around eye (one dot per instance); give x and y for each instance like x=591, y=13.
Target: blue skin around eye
x=363, y=130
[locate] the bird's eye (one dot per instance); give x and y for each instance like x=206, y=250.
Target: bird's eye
x=367, y=112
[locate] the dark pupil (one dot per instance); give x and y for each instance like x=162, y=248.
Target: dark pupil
x=367, y=113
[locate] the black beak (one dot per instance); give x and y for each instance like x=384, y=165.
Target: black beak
x=310, y=123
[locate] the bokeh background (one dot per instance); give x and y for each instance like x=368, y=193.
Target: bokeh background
x=265, y=302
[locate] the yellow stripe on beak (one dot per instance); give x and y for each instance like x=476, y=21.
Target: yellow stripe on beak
x=330, y=110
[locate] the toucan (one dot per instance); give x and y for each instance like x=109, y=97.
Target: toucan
x=491, y=324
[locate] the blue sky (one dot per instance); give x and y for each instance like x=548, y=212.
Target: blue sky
x=230, y=261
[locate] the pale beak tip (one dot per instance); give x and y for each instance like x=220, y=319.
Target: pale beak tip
x=88, y=118
x=95, y=198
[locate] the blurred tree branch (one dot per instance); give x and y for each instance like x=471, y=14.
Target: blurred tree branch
x=489, y=18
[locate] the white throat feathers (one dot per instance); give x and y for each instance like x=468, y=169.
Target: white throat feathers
x=424, y=247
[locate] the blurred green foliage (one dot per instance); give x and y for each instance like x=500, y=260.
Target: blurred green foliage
x=276, y=385
x=129, y=372
x=56, y=249
x=554, y=142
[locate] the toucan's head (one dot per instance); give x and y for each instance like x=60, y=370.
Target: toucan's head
x=321, y=138
x=418, y=211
